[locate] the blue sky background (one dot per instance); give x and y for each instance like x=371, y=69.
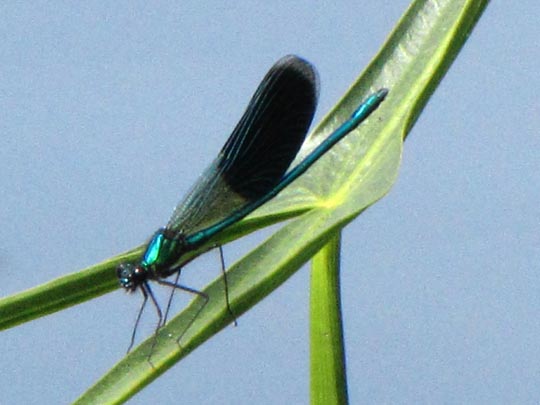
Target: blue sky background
x=110, y=112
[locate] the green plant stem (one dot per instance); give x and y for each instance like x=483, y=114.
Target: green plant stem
x=328, y=375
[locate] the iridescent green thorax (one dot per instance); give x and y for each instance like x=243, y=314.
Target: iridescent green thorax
x=162, y=250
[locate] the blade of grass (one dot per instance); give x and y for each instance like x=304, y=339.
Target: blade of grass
x=100, y=279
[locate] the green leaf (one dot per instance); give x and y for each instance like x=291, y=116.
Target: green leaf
x=418, y=53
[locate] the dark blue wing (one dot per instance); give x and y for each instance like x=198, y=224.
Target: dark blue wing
x=271, y=131
x=259, y=150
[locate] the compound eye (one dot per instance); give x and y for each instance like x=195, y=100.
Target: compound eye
x=126, y=273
